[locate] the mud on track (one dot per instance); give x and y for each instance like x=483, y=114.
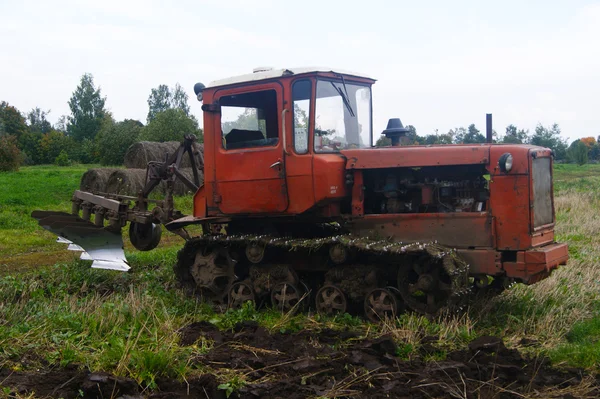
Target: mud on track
x=330, y=364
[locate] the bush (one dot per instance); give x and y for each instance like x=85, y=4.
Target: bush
x=87, y=151
x=62, y=159
x=53, y=143
x=10, y=155
x=578, y=152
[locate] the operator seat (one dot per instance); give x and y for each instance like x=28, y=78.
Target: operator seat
x=240, y=138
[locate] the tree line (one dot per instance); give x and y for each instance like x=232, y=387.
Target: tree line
x=579, y=151
x=90, y=134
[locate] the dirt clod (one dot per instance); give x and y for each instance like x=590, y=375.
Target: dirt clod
x=310, y=364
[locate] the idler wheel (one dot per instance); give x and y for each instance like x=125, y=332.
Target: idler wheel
x=381, y=303
x=255, y=253
x=240, y=293
x=144, y=236
x=330, y=300
x=286, y=297
x=213, y=272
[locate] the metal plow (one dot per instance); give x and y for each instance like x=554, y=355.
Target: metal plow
x=101, y=245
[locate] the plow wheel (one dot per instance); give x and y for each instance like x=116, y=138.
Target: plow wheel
x=213, y=272
x=381, y=303
x=240, y=293
x=426, y=288
x=286, y=297
x=330, y=300
x=144, y=236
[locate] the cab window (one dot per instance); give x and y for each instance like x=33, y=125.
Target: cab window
x=301, y=93
x=249, y=120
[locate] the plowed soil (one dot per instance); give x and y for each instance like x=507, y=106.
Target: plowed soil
x=328, y=364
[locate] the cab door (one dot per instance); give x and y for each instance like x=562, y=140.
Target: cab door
x=249, y=159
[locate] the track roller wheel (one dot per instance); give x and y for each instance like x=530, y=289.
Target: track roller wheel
x=240, y=293
x=255, y=253
x=381, y=303
x=481, y=282
x=213, y=272
x=330, y=300
x=144, y=236
x=286, y=297
x=425, y=287
x=338, y=254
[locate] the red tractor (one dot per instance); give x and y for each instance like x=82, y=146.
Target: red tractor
x=297, y=206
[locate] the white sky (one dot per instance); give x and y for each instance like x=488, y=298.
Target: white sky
x=439, y=64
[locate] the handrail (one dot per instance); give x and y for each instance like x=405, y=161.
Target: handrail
x=285, y=110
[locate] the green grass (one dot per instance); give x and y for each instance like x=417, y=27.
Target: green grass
x=127, y=323
x=22, y=241
x=39, y=187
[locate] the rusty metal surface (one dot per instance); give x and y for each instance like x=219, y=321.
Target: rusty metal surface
x=456, y=230
x=104, y=202
x=417, y=156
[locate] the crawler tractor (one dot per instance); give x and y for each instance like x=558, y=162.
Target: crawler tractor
x=299, y=209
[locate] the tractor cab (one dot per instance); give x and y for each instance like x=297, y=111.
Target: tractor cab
x=273, y=139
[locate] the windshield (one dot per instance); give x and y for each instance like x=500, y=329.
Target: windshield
x=343, y=116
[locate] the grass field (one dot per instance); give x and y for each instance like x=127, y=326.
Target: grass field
x=55, y=310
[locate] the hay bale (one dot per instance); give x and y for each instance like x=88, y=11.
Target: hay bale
x=131, y=181
x=94, y=180
x=139, y=154
x=126, y=181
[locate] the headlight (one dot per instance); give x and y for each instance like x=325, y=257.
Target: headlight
x=505, y=162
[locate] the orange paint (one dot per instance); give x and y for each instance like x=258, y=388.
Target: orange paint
x=275, y=181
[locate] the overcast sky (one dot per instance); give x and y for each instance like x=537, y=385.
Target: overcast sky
x=439, y=64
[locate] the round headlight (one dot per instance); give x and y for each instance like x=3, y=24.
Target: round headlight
x=505, y=162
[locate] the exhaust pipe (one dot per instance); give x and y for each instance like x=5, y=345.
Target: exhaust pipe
x=488, y=128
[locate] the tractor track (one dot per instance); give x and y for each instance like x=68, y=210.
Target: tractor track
x=425, y=277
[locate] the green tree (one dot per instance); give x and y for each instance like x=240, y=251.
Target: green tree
x=11, y=120
x=515, y=136
x=594, y=152
x=30, y=145
x=61, y=124
x=53, y=142
x=115, y=138
x=163, y=98
x=411, y=136
x=180, y=99
x=550, y=138
x=37, y=121
x=10, y=156
x=87, y=110
x=578, y=152
x=383, y=141
x=170, y=125
x=473, y=135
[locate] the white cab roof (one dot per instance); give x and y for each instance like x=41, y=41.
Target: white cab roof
x=276, y=73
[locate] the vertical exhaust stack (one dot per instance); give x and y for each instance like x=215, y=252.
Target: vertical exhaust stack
x=488, y=128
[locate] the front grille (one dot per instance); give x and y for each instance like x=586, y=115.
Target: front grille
x=542, y=192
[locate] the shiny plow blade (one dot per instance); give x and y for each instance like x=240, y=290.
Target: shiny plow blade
x=103, y=247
